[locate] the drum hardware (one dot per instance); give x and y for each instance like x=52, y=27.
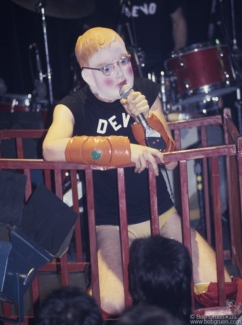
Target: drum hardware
x=40, y=90
x=235, y=46
x=186, y=82
x=15, y=103
x=200, y=70
x=61, y=8
x=238, y=106
x=152, y=76
x=181, y=62
x=163, y=91
x=40, y=7
x=176, y=111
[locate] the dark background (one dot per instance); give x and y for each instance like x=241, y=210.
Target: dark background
x=20, y=27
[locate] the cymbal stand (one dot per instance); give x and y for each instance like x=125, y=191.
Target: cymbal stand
x=119, y=30
x=235, y=46
x=40, y=6
x=163, y=92
x=238, y=102
x=235, y=55
x=238, y=105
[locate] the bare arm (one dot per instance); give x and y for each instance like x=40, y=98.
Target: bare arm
x=179, y=29
x=58, y=134
x=61, y=131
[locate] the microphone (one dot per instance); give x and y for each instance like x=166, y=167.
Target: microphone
x=153, y=138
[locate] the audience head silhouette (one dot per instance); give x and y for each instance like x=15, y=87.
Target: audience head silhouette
x=69, y=306
x=160, y=272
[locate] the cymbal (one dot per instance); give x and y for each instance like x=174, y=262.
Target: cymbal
x=70, y=9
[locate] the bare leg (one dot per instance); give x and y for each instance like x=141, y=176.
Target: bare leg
x=110, y=264
x=203, y=256
x=110, y=270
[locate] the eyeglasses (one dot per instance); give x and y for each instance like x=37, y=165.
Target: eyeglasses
x=108, y=68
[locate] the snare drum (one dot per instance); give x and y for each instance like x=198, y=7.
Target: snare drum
x=15, y=103
x=201, y=70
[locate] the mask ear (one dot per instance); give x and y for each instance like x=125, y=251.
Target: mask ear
x=87, y=76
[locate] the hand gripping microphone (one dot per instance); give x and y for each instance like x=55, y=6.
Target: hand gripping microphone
x=153, y=138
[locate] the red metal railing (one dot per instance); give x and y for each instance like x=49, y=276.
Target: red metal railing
x=53, y=179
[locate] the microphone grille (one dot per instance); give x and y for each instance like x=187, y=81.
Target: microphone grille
x=125, y=90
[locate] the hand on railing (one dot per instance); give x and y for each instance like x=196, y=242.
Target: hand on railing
x=141, y=156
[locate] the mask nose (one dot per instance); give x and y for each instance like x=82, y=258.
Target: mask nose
x=118, y=70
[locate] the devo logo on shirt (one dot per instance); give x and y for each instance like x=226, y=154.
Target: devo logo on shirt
x=103, y=124
x=146, y=8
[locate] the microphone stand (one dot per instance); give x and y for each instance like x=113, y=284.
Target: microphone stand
x=40, y=6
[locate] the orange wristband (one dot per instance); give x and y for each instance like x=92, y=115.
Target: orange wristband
x=105, y=151
x=156, y=124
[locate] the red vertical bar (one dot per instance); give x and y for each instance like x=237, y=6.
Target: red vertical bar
x=6, y=309
x=124, y=234
x=28, y=187
x=92, y=235
x=186, y=228
x=177, y=139
x=239, y=145
x=35, y=290
x=155, y=229
x=78, y=241
x=206, y=188
x=58, y=183
x=19, y=144
x=47, y=176
x=237, y=234
x=185, y=205
x=218, y=230
x=63, y=259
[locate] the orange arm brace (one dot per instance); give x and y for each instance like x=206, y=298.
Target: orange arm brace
x=105, y=151
x=156, y=124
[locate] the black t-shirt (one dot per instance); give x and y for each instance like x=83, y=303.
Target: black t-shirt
x=151, y=27
x=97, y=118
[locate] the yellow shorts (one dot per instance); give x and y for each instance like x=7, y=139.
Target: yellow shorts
x=143, y=229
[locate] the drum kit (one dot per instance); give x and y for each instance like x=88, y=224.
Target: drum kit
x=198, y=76
x=37, y=101
x=195, y=80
